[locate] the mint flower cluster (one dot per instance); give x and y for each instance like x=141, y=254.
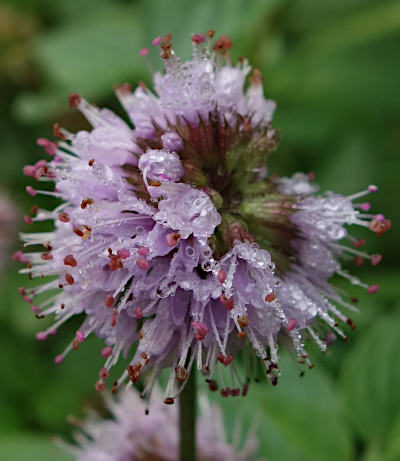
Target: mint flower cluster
x=132, y=435
x=174, y=240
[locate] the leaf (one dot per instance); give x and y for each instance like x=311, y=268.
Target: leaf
x=87, y=55
x=24, y=446
x=392, y=447
x=300, y=419
x=370, y=378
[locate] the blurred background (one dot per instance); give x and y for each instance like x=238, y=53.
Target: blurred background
x=333, y=67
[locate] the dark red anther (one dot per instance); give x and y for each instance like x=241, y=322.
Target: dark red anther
x=228, y=303
x=109, y=301
x=31, y=191
x=169, y=401
x=49, y=147
x=224, y=43
x=172, y=238
x=75, y=344
x=91, y=161
x=64, y=217
x=29, y=170
x=372, y=289
x=181, y=374
x=57, y=133
x=144, y=356
x=70, y=280
x=376, y=259
x=225, y=360
x=270, y=297
x=221, y=276
x=274, y=380
x=212, y=384
x=135, y=372
x=104, y=373
x=235, y=392
x=100, y=385
x=114, y=318
x=115, y=262
x=291, y=324
x=358, y=261
x=74, y=99
x=124, y=88
x=106, y=352
x=380, y=227
x=85, y=202
x=359, y=243
x=123, y=253
x=201, y=330
x=69, y=260
x=142, y=263
x=28, y=219
x=243, y=321
x=80, y=336
x=114, y=388
x=83, y=231
x=143, y=251
x=256, y=77
x=46, y=256
x=225, y=392
x=351, y=323
x=210, y=33
x=198, y=38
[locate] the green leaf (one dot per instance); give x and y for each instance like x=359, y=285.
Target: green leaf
x=392, y=447
x=87, y=55
x=370, y=378
x=300, y=419
x=28, y=447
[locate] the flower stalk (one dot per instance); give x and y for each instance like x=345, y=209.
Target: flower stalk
x=187, y=420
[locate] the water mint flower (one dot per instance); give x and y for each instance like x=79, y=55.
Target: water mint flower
x=134, y=435
x=171, y=237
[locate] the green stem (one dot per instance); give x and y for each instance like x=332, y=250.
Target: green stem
x=187, y=420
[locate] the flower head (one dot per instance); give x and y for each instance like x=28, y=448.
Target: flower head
x=172, y=236
x=137, y=434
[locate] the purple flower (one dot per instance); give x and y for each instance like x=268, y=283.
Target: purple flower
x=134, y=435
x=170, y=236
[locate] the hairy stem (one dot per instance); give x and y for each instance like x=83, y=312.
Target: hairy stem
x=187, y=420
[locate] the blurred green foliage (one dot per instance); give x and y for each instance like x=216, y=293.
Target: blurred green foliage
x=333, y=67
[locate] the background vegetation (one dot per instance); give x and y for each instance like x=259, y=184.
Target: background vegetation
x=333, y=67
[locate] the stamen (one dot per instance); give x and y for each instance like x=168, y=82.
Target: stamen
x=173, y=238
x=142, y=263
x=372, y=289
x=143, y=52
x=201, y=330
